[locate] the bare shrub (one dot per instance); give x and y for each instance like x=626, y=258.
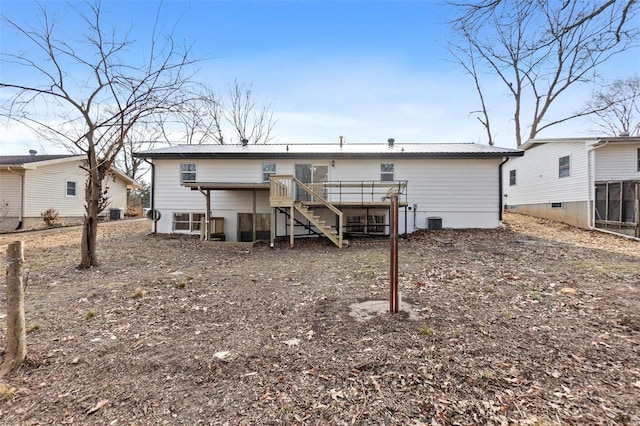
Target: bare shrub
x=50, y=217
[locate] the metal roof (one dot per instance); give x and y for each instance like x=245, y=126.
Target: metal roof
x=397, y=150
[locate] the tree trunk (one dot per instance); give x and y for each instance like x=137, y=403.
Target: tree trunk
x=16, y=350
x=90, y=226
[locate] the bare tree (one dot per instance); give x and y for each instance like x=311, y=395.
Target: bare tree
x=617, y=107
x=539, y=50
x=250, y=123
x=208, y=117
x=143, y=136
x=92, y=94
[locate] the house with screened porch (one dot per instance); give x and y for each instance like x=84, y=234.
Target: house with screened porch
x=592, y=183
x=263, y=192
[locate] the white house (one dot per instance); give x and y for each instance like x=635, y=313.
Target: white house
x=586, y=182
x=261, y=191
x=31, y=184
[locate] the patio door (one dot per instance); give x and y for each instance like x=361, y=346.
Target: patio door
x=310, y=174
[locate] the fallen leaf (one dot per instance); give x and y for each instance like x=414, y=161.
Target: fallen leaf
x=292, y=342
x=222, y=355
x=335, y=394
x=98, y=406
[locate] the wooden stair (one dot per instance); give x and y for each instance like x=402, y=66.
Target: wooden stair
x=328, y=231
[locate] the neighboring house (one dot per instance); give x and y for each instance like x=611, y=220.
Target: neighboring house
x=256, y=192
x=31, y=184
x=586, y=182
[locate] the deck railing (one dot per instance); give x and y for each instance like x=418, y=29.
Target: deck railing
x=362, y=192
x=283, y=191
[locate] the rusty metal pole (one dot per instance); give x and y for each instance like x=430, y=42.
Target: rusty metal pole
x=393, y=274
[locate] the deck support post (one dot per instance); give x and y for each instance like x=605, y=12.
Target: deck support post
x=254, y=237
x=272, y=239
x=291, y=229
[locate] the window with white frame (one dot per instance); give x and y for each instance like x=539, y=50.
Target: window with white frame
x=268, y=169
x=71, y=188
x=386, y=172
x=512, y=177
x=564, y=166
x=187, y=221
x=187, y=172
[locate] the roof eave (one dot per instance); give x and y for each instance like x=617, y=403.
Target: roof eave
x=328, y=155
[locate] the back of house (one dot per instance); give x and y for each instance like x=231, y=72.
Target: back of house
x=251, y=192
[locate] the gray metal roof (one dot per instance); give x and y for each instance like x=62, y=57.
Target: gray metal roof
x=14, y=160
x=397, y=150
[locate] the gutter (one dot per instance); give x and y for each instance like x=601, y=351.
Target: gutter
x=504, y=160
x=20, y=216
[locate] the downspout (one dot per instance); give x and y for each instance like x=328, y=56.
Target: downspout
x=153, y=191
x=505, y=159
x=20, y=216
x=591, y=183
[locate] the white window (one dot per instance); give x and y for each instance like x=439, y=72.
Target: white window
x=187, y=222
x=564, y=166
x=268, y=169
x=512, y=177
x=71, y=188
x=386, y=172
x=187, y=172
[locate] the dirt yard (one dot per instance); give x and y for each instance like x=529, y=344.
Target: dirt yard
x=533, y=324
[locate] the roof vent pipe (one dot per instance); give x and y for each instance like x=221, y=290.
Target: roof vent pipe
x=623, y=134
x=391, y=141
x=341, y=141
x=33, y=152
x=244, y=141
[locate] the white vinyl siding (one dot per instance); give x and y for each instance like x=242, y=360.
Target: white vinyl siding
x=116, y=192
x=10, y=194
x=538, y=170
x=463, y=192
x=617, y=162
x=39, y=195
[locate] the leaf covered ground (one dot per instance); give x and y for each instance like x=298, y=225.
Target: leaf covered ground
x=536, y=323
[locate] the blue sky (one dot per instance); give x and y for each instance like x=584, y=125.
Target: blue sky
x=368, y=70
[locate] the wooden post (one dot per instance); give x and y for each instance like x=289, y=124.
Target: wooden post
x=393, y=273
x=637, y=209
x=273, y=228
x=291, y=228
x=207, y=215
x=254, y=237
x=16, y=349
